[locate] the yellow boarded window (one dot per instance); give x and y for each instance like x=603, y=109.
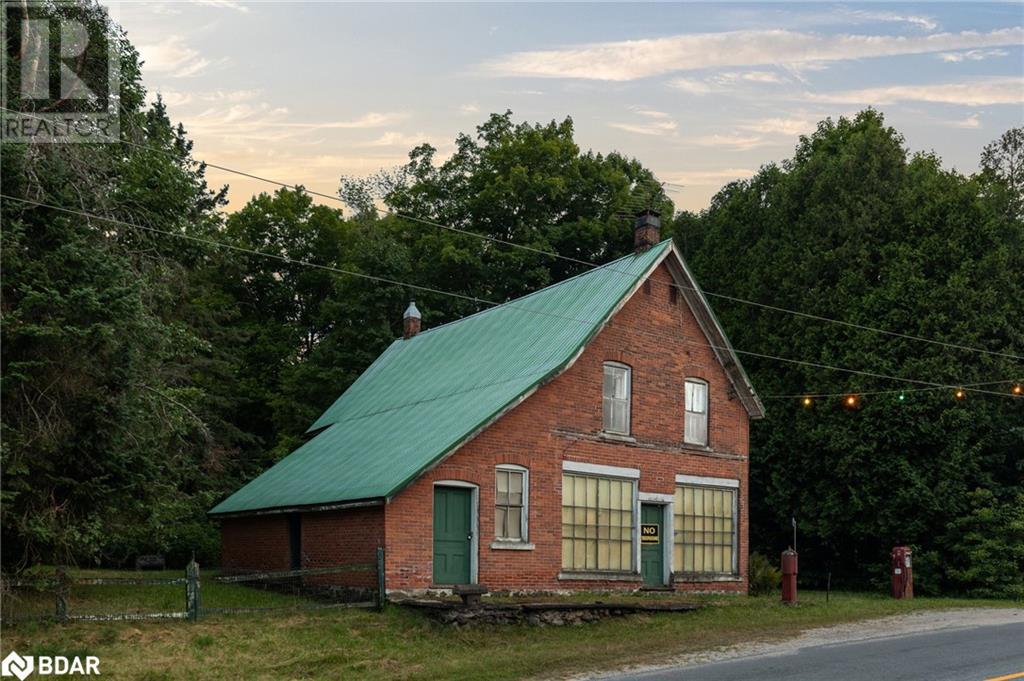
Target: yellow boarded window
x=597, y=523
x=705, y=530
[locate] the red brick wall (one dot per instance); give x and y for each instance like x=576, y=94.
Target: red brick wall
x=329, y=539
x=346, y=537
x=255, y=543
x=663, y=344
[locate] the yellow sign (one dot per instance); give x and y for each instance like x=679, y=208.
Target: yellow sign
x=650, y=533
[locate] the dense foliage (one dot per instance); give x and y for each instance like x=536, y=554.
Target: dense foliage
x=855, y=228
x=147, y=375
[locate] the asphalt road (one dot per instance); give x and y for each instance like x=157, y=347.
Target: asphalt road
x=974, y=653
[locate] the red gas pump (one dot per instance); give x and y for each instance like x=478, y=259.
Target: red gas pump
x=902, y=573
x=789, y=570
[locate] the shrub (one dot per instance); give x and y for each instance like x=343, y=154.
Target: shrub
x=765, y=578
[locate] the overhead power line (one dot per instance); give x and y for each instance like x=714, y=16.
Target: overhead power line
x=552, y=254
x=481, y=301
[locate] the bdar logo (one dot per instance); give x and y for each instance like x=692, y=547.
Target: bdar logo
x=16, y=665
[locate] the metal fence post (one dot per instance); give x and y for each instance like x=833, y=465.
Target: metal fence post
x=61, y=592
x=381, y=594
x=193, y=594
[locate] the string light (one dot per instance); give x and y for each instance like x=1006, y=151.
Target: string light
x=1017, y=389
x=902, y=397
x=851, y=401
x=959, y=394
x=807, y=402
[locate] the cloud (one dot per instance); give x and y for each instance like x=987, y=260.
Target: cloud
x=174, y=98
x=918, y=21
x=469, y=109
x=225, y=4
x=657, y=123
x=398, y=139
x=728, y=81
x=372, y=119
x=978, y=92
x=972, y=122
x=789, y=127
x=970, y=55
x=708, y=178
x=174, y=57
x=737, y=142
x=691, y=86
x=632, y=59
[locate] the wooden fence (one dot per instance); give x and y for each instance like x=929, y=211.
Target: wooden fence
x=312, y=592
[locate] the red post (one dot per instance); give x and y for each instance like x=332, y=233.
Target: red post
x=789, y=570
x=902, y=573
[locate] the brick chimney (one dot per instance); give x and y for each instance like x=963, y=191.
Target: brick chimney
x=411, y=320
x=646, y=230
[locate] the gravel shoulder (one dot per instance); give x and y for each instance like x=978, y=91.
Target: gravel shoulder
x=865, y=630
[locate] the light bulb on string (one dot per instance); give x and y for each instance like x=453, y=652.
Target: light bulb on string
x=959, y=394
x=851, y=401
x=1017, y=389
x=807, y=402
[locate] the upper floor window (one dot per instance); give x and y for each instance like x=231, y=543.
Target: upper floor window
x=695, y=428
x=616, y=398
x=511, y=491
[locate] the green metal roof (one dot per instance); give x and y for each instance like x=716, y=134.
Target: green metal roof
x=425, y=396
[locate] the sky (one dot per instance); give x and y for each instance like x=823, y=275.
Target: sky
x=702, y=94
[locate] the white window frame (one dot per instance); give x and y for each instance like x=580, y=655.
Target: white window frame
x=687, y=436
x=707, y=482
x=612, y=473
x=524, y=517
x=606, y=427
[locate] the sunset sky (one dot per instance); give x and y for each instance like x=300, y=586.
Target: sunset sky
x=701, y=94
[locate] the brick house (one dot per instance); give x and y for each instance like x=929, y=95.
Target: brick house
x=590, y=435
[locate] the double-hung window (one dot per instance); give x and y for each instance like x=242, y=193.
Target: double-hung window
x=695, y=427
x=511, y=491
x=705, y=529
x=597, y=523
x=616, y=398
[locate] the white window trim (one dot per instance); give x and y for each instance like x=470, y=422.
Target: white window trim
x=524, y=517
x=474, y=522
x=629, y=399
x=706, y=481
x=707, y=413
x=600, y=469
x=729, y=483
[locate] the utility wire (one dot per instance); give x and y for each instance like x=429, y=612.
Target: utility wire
x=559, y=256
x=482, y=301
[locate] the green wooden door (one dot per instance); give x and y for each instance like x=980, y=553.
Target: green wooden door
x=652, y=543
x=453, y=535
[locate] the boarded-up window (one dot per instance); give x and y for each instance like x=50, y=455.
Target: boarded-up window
x=597, y=523
x=695, y=429
x=616, y=398
x=705, y=530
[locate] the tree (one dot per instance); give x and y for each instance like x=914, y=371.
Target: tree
x=854, y=227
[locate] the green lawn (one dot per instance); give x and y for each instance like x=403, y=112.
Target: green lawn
x=403, y=644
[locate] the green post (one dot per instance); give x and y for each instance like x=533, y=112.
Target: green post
x=61, y=591
x=193, y=595
x=381, y=594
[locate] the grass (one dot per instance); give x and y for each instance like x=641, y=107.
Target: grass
x=91, y=599
x=402, y=644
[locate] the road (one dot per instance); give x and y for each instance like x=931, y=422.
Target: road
x=948, y=654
